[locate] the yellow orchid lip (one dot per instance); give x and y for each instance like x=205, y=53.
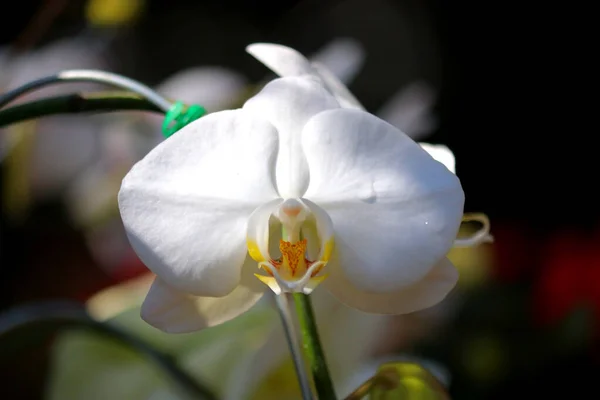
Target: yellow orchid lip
x=292, y=272
x=293, y=262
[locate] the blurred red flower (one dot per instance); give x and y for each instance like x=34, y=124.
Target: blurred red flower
x=570, y=277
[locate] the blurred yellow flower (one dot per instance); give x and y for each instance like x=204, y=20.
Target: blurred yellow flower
x=113, y=12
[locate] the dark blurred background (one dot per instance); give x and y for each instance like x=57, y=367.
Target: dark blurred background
x=516, y=161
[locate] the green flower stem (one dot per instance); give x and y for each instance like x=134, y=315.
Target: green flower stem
x=312, y=347
x=75, y=104
x=289, y=329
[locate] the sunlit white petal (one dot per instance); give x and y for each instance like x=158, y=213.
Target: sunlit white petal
x=186, y=204
x=430, y=290
x=285, y=61
x=395, y=210
x=442, y=154
x=282, y=60
x=173, y=311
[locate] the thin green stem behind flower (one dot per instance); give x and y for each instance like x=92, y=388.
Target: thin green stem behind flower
x=312, y=347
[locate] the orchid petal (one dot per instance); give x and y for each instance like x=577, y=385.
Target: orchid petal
x=173, y=311
x=186, y=204
x=288, y=103
x=395, y=210
x=282, y=60
x=425, y=293
x=442, y=154
x=287, y=62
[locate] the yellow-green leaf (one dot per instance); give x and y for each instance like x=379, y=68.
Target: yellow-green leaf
x=406, y=381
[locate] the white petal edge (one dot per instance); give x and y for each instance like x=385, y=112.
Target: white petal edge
x=286, y=62
x=441, y=153
x=429, y=291
x=395, y=210
x=185, y=205
x=282, y=60
x=172, y=311
x=288, y=104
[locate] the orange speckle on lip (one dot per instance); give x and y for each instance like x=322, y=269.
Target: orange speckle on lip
x=293, y=254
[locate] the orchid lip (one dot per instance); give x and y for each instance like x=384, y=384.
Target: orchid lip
x=293, y=271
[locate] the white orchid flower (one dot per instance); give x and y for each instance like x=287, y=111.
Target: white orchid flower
x=203, y=210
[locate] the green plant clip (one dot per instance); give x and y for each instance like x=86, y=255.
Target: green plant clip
x=179, y=116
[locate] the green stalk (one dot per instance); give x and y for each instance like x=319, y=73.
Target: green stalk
x=312, y=347
x=75, y=104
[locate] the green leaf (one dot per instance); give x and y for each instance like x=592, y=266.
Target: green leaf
x=87, y=366
x=406, y=381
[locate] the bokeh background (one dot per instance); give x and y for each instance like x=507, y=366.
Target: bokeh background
x=523, y=319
